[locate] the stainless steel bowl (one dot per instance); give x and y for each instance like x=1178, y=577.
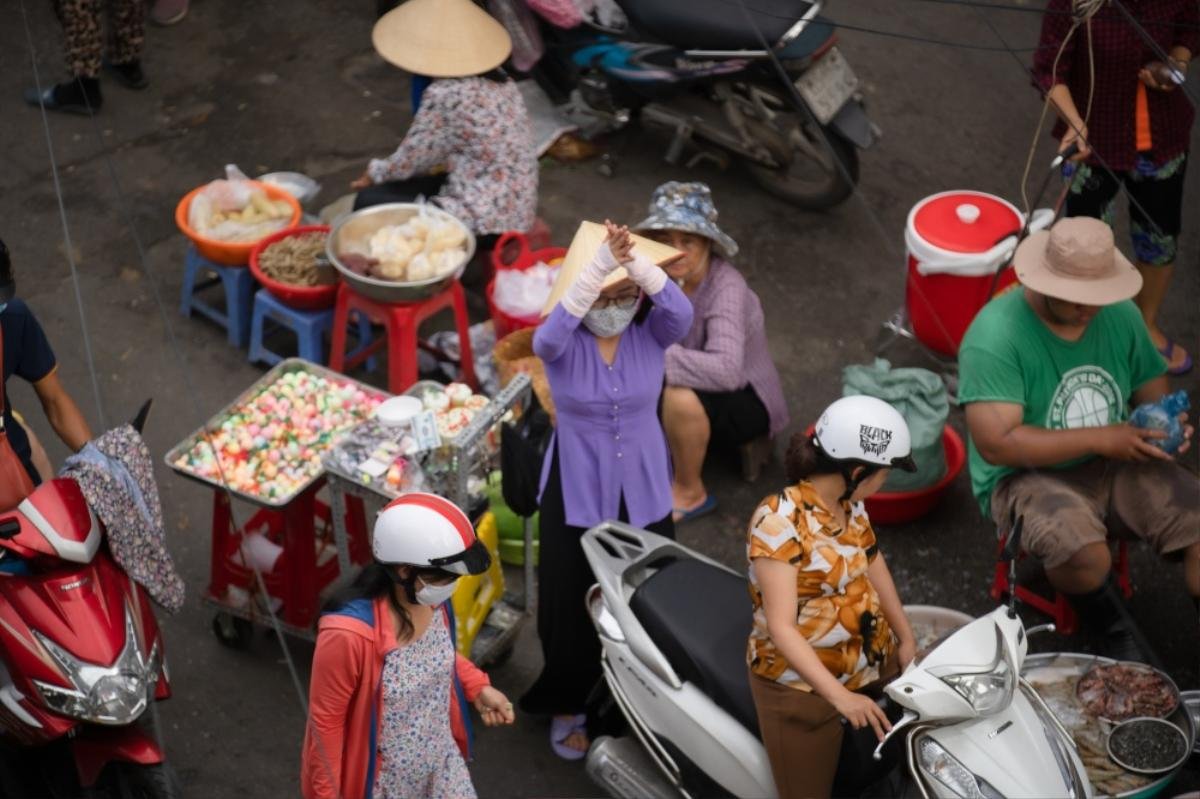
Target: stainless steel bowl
x=351, y=233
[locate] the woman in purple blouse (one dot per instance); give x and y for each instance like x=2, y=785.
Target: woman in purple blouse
x=603, y=346
x=722, y=386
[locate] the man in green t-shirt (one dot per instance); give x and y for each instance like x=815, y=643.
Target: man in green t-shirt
x=1047, y=375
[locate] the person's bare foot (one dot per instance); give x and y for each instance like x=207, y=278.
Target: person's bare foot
x=1177, y=357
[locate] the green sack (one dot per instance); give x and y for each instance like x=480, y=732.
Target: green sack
x=921, y=398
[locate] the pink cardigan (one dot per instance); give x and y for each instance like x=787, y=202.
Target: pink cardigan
x=344, y=700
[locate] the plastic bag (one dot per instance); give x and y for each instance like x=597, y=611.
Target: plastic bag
x=522, y=450
x=559, y=13
x=527, y=46
x=219, y=210
x=523, y=292
x=920, y=396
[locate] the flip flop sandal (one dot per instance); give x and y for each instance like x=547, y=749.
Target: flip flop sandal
x=563, y=728
x=1181, y=369
x=704, y=508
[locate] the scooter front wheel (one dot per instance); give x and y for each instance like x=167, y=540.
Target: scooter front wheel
x=232, y=631
x=157, y=781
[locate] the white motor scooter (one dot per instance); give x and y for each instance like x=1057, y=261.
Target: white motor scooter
x=673, y=626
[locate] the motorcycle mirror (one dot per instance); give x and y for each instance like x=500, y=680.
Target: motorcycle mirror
x=139, y=421
x=1012, y=545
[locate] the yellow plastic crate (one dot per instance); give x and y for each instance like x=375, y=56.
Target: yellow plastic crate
x=475, y=595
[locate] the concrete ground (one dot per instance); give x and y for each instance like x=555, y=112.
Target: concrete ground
x=282, y=85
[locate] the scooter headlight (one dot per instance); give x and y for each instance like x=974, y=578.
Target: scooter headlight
x=116, y=694
x=940, y=765
x=989, y=691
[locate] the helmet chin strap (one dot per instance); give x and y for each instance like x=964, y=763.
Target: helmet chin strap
x=409, y=584
x=852, y=483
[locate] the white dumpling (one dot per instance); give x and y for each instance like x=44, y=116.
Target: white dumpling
x=420, y=268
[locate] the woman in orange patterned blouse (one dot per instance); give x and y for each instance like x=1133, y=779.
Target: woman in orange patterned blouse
x=829, y=628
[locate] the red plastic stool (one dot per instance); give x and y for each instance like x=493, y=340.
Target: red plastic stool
x=1059, y=608
x=400, y=322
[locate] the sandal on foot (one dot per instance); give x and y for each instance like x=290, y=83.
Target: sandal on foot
x=563, y=728
x=707, y=506
x=1183, y=368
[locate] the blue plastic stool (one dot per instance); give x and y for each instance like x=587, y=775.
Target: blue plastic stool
x=310, y=328
x=239, y=289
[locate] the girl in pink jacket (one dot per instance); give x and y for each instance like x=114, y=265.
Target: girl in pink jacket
x=388, y=713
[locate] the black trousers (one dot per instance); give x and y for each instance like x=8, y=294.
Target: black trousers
x=570, y=647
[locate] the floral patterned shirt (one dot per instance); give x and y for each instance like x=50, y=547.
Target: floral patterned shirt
x=479, y=130
x=838, y=613
x=418, y=758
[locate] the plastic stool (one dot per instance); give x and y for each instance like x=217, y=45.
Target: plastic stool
x=401, y=322
x=239, y=289
x=310, y=328
x=1059, y=608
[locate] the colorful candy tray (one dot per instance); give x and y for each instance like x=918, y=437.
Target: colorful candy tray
x=311, y=463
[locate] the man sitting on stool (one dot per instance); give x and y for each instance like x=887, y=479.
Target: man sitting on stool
x=1047, y=376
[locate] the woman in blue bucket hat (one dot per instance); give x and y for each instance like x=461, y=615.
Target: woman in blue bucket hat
x=721, y=384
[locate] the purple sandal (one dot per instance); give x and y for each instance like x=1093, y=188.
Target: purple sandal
x=563, y=728
x=1181, y=369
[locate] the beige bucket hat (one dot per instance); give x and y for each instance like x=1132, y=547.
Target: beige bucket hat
x=441, y=38
x=583, y=249
x=1077, y=261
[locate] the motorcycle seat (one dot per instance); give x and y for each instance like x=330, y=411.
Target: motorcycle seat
x=699, y=616
x=714, y=24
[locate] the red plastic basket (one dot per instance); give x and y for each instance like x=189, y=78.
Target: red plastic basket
x=517, y=242
x=304, y=298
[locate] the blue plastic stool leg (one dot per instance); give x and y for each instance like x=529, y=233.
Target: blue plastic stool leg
x=239, y=300
x=311, y=332
x=364, y=340
x=258, y=322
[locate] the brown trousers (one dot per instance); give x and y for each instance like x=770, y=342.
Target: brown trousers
x=83, y=30
x=802, y=734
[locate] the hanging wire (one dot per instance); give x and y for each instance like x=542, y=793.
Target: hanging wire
x=181, y=359
x=67, y=245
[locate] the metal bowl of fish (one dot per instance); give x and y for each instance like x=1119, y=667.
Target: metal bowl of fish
x=1126, y=690
x=400, y=252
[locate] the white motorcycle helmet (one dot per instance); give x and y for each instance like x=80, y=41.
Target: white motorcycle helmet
x=428, y=532
x=864, y=431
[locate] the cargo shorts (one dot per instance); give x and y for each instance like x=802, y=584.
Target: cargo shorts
x=1068, y=509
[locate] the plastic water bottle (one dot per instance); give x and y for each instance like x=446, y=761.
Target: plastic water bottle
x=1163, y=415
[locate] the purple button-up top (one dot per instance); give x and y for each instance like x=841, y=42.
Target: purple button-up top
x=609, y=439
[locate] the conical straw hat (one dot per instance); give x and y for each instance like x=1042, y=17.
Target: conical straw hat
x=441, y=38
x=584, y=247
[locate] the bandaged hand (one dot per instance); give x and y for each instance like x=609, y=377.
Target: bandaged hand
x=583, y=292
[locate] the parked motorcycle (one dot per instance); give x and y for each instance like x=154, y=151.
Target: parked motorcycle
x=81, y=656
x=673, y=627
x=699, y=70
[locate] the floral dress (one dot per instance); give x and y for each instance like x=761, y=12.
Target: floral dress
x=418, y=758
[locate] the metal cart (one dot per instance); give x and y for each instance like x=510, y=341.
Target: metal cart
x=448, y=471
x=316, y=540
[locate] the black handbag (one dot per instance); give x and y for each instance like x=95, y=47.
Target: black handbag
x=522, y=450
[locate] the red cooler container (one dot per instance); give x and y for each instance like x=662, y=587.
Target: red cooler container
x=956, y=241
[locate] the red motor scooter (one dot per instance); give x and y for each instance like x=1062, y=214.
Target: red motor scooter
x=81, y=656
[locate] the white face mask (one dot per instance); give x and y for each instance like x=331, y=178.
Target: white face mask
x=435, y=594
x=610, y=321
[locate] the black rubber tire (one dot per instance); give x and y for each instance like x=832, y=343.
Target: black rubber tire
x=232, y=631
x=815, y=196
x=135, y=781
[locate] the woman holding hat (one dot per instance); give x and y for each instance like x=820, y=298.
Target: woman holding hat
x=471, y=121
x=612, y=314
x=829, y=628
x=722, y=385
x=388, y=698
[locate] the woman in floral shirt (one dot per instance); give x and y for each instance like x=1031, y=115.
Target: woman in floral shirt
x=471, y=122
x=829, y=628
